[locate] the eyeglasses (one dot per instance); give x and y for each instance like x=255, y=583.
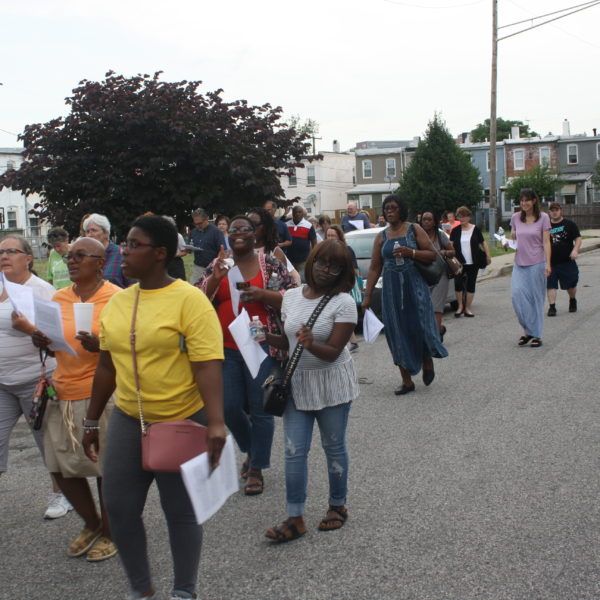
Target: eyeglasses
x=391, y=208
x=242, y=229
x=12, y=251
x=133, y=244
x=77, y=257
x=333, y=269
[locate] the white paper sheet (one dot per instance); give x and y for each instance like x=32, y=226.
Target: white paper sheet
x=48, y=319
x=371, y=326
x=359, y=224
x=21, y=298
x=209, y=491
x=252, y=353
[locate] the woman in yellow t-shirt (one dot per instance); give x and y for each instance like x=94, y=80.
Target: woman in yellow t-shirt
x=179, y=349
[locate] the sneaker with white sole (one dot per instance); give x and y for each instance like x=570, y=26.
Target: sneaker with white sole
x=58, y=506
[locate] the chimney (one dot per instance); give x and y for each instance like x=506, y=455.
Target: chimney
x=336, y=145
x=514, y=132
x=566, y=128
x=594, y=130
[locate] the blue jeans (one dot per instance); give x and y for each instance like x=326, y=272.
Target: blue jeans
x=297, y=431
x=251, y=427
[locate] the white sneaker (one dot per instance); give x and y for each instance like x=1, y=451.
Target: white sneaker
x=58, y=507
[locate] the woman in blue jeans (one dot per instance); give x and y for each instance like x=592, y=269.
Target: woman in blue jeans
x=323, y=385
x=232, y=288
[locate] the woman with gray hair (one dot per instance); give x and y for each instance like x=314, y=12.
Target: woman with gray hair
x=98, y=227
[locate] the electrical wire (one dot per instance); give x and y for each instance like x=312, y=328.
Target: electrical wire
x=433, y=7
x=592, y=2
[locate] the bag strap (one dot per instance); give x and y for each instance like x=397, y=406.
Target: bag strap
x=295, y=358
x=134, y=359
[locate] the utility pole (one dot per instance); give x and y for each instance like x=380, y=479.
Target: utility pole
x=493, y=132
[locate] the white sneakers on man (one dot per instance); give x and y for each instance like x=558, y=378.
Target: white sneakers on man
x=58, y=506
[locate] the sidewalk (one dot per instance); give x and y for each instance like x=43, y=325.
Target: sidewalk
x=503, y=264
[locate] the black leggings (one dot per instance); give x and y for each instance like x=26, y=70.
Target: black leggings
x=125, y=487
x=467, y=279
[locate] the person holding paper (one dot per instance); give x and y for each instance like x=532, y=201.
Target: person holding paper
x=178, y=345
x=246, y=285
x=72, y=379
x=354, y=220
x=19, y=359
x=410, y=328
x=324, y=384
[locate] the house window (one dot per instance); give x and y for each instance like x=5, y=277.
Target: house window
x=34, y=226
x=598, y=151
x=572, y=157
x=353, y=175
x=310, y=175
x=11, y=218
x=390, y=167
x=519, y=160
x=10, y=164
x=292, y=179
x=545, y=157
x=365, y=201
x=367, y=166
x=487, y=160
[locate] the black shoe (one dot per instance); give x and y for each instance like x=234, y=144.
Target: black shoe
x=469, y=314
x=405, y=389
x=428, y=376
x=552, y=311
x=573, y=305
x=458, y=315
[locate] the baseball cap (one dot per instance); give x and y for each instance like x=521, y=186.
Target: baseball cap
x=554, y=205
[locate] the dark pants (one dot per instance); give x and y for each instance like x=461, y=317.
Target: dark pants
x=126, y=486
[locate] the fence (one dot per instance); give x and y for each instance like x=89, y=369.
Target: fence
x=39, y=244
x=587, y=216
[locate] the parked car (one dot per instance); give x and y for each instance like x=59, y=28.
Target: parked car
x=361, y=241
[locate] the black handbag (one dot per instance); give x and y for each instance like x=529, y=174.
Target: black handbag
x=432, y=272
x=277, y=391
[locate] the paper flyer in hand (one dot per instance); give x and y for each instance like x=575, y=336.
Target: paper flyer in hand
x=372, y=326
x=21, y=298
x=251, y=351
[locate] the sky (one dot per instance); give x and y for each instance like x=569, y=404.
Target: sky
x=368, y=70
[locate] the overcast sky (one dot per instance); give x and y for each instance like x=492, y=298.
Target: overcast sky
x=364, y=70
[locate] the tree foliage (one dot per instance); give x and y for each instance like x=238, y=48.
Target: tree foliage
x=596, y=175
x=131, y=145
x=481, y=133
x=539, y=179
x=440, y=176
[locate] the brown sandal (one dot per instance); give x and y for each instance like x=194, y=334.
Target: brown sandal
x=245, y=468
x=286, y=532
x=336, y=522
x=255, y=484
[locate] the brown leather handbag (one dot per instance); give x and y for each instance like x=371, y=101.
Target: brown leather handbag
x=168, y=444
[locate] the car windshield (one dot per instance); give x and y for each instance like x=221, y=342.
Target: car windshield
x=362, y=245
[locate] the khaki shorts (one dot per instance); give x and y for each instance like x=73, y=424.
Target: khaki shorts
x=63, y=432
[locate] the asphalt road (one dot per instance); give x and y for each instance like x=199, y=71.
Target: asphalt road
x=482, y=486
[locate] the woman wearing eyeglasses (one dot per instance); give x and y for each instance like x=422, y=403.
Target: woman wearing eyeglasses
x=246, y=285
x=19, y=359
x=72, y=380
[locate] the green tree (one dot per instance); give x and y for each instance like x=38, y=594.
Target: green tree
x=596, y=175
x=481, y=133
x=131, y=145
x=539, y=179
x=440, y=176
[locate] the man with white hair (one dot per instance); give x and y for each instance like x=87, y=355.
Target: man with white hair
x=98, y=227
x=354, y=219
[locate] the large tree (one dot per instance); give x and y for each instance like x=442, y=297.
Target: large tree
x=539, y=179
x=131, y=145
x=481, y=133
x=440, y=176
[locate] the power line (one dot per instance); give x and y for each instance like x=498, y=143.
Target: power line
x=547, y=14
x=433, y=7
x=9, y=132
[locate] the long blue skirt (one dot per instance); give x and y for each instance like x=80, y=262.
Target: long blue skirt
x=528, y=292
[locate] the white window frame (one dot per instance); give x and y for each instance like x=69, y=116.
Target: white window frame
x=367, y=199
x=311, y=175
x=522, y=160
x=487, y=160
x=598, y=151
x=569, y=146
x=11, y=215
x=545, y=149
x=390, y=172
x=368, y=162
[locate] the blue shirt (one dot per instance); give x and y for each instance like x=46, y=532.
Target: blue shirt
x=210, y=239
x=347, y=226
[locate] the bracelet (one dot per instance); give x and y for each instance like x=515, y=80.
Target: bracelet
x=414, y=251
x=90, y=429
x=90, y=423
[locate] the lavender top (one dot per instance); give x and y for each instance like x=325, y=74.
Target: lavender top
x=530, y=239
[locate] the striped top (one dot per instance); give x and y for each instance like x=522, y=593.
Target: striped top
x=317, y=383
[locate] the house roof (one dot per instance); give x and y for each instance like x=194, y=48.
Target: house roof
x=371, y=188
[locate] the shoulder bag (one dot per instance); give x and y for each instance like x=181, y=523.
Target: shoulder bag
x=166, y=445
x=277, y=391
x=453, y=265
x=44, y=391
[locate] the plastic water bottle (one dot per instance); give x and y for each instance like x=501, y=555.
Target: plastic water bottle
x=256, y=330
x=500, y=231
x=273, y=283
x=399, y=259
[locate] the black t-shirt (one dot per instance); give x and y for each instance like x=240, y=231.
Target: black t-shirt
x=562, y=238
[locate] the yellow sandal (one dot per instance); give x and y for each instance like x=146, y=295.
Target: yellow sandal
x=102, y=549
x=83, y=542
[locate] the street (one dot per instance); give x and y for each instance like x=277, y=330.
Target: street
x=482, y=486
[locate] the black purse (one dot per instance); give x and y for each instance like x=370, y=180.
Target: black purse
x=277, y=391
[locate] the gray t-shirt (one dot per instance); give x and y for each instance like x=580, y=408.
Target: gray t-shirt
x=318, y=383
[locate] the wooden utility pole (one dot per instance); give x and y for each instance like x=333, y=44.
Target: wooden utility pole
x=493, y=133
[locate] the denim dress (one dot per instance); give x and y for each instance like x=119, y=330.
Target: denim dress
x=410, y=326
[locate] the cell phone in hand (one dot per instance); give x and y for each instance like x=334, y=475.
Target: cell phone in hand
x=242, y=285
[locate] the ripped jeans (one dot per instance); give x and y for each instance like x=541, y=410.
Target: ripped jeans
x=297, y=431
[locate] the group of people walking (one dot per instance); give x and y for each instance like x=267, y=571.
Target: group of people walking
x=159, y=349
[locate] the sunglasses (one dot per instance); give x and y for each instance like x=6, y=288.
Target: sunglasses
x=333, y=269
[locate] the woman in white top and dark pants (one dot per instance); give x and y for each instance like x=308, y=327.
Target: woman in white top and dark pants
x=323, y=385
x=467, y=240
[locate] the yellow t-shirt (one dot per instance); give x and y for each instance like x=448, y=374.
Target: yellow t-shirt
x=167, y=384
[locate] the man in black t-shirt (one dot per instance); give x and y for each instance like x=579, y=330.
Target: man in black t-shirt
x=566, y=243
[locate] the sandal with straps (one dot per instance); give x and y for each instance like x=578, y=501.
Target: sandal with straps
x=102, y=549
x=333, y=523
x=536, y=343
x=524, y=340
x=286, y=532
x=255, y=484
